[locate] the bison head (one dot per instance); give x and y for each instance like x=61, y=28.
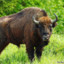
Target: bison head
x=44, y=24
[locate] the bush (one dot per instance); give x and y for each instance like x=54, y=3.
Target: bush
x=8, y=7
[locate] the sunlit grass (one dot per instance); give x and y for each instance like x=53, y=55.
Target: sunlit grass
x=52, y=53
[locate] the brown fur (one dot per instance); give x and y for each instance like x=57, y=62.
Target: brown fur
x=19, y=29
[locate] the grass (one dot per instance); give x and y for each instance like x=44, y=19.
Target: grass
x=52, y=53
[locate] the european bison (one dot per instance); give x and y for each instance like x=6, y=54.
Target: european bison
x=31, y=26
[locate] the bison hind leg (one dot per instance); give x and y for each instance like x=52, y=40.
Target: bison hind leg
x=3, y=41
x=3, y=44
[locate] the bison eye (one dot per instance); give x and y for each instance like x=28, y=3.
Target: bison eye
x=50, y=25
x=40, y=26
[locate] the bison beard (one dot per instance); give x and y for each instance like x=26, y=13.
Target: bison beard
x=24, y=28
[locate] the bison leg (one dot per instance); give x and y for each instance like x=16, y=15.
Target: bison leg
x=2, y=46
x=39, y=51
x=3, y=41
x=30, y=51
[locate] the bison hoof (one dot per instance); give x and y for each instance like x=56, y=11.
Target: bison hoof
x=32, y=60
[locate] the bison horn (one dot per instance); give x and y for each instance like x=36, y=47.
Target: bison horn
x=35, y=21
x=55, y=19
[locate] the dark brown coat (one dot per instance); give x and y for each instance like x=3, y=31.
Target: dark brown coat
x=19, y=29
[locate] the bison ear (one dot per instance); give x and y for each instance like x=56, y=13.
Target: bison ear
x=54, y=24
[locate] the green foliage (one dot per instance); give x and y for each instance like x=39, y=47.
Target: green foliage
x=8, y=7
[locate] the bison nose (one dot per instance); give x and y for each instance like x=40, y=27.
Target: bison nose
x=45, y=39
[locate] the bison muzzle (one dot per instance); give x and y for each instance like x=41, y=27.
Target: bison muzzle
x=31, y=26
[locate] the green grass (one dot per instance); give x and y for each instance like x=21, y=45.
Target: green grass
x=52, y=53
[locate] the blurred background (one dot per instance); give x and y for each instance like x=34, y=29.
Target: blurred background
x=52, y=53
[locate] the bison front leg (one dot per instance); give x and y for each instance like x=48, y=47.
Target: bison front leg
x=30, y=51
x=39, y=51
